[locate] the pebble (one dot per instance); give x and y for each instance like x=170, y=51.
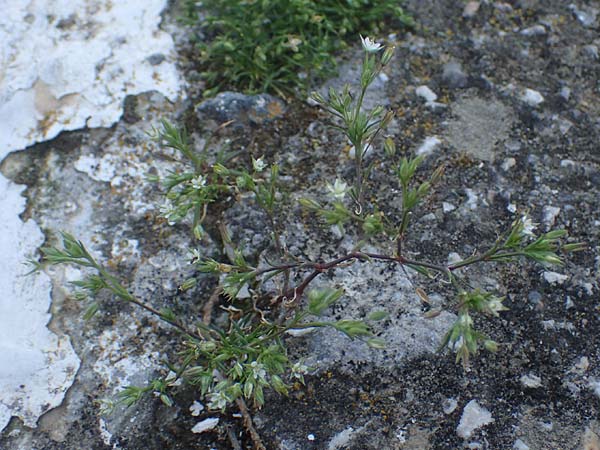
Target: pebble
x=453, y=258
x=582, y=365
x=555, y=278
x=447, y=207
x=536, y=30
x=550, y=215
x=564, y=126
x=534, y=297
x=449, y=405
x=205, y=425
x=196, y=408
x=586, y=18
x=520, y=445
x=531, y=381
x=532, y=97
x=427, y=94
x=565, y=93
x=428, y=145
x=471, y=9
x=591, y=51
x=508, y=164
x=595, y=386
x=256, y=109
x=473, y=417
x=569, y=303
x=504, y=7
x=567, y=163
x=454, y=76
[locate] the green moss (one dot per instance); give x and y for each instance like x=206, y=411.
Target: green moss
x=280, y=46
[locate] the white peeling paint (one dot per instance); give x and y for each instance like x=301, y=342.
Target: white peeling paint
x=68, y=64
x=64, y=65
x=36, y=366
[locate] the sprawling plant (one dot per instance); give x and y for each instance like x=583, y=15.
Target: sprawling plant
x=280, y=45
x=238, y=358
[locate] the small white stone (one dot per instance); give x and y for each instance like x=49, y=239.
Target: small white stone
x=555, y=278
x=582, y=365
x=471, y=9
x=536, y=30
x=453, y=258
x=511, y=208
x=447, y=207
x=205, y=425
x=428, y=145
x=595, y=386
x=520, y=445
x=567, y=163
x=473, y=417
x=472, y=199
x=310, y=437
x=342, y=439
x=532, y=98
x=427, y=94
x=565, y=92
x=508, y=164
x=569, y=303
x=550, y=215
x=504, y=7
x=299, y=332
x=531, y=381
x=449, y=405
x=196, y=408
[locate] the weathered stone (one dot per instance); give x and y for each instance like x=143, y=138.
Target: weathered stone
x=242, y=109
x=478, y=126
x=454, y=76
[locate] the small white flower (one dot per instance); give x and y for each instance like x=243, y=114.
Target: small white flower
x=298, y=370
x=369, y=45
x=196, y=408
x=172, y=379
x=338, y=190
x=258, y=371
x=195, y=254
x=528, y=226
x=293, y=43
x=494, y=306
x=218, y=400
x=168, y=211
x=258, y=164
x=199, y=182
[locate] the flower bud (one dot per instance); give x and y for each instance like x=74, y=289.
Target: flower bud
x=490, y=346
x=438, y=174
x=188, y=284
x=386, y=119
x=220, y=169
x=389, y=147
x=387, y=55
